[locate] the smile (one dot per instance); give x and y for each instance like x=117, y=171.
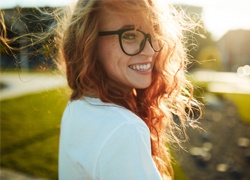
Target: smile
x=141, y=67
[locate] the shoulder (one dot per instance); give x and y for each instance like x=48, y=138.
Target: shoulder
x=100, y=122
x=109, y=134
x=94, y=110
x=126, y=154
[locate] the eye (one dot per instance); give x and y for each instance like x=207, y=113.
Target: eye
x=130, y=35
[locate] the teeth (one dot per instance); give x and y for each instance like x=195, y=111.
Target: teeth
x=141, y=67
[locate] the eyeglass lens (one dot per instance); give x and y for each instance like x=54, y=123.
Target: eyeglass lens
x=133, y=42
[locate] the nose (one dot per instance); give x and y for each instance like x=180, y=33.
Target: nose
x=147, y=50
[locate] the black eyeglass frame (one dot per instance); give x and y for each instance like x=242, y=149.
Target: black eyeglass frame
x=119, y=32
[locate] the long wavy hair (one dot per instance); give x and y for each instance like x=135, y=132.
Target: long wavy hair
x=170, y=93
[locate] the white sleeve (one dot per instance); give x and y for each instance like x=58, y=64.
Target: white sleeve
x=127, y=155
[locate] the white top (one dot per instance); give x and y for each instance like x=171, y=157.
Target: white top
x=103, y=141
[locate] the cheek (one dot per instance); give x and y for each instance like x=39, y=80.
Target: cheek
x=108, y=53
x=105, y=49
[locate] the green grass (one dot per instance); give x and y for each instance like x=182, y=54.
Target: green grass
x=30, y=128
x=30, y=132
x=242, y=102
x=178, y=172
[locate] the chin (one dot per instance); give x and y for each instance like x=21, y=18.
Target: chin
x=143, y=86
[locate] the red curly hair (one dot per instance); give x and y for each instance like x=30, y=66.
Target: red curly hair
x=169, y=95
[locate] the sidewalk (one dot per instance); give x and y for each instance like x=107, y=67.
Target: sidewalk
x=18, y=84
x=224, y=82
x=6, y=174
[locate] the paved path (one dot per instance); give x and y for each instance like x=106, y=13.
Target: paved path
x=224, y=82
x=18, y=84
x=6, y=174
x=222, y=150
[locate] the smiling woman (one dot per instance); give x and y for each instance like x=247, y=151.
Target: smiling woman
x=125, y=63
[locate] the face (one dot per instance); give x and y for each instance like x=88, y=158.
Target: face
x=127, y=71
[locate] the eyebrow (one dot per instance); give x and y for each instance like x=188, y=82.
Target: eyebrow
x=127, y=27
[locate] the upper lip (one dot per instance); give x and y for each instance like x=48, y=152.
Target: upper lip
x=141, y=63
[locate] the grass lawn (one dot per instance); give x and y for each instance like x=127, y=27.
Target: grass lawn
x=242, y=102
x=30, y=132
x=178, y=172
x=30, y=128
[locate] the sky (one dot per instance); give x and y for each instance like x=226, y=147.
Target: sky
x=219, y=16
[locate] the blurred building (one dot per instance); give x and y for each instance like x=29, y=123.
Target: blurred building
x=21, y=21
x=235, y=49
x=24, y=24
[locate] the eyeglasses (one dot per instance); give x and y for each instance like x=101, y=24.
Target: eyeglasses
x=132, y=41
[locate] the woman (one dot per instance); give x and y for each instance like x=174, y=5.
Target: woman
x=125, y=63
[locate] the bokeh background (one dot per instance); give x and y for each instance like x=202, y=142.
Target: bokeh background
x=33, y=93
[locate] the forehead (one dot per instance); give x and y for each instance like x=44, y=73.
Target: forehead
x=112, y=21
